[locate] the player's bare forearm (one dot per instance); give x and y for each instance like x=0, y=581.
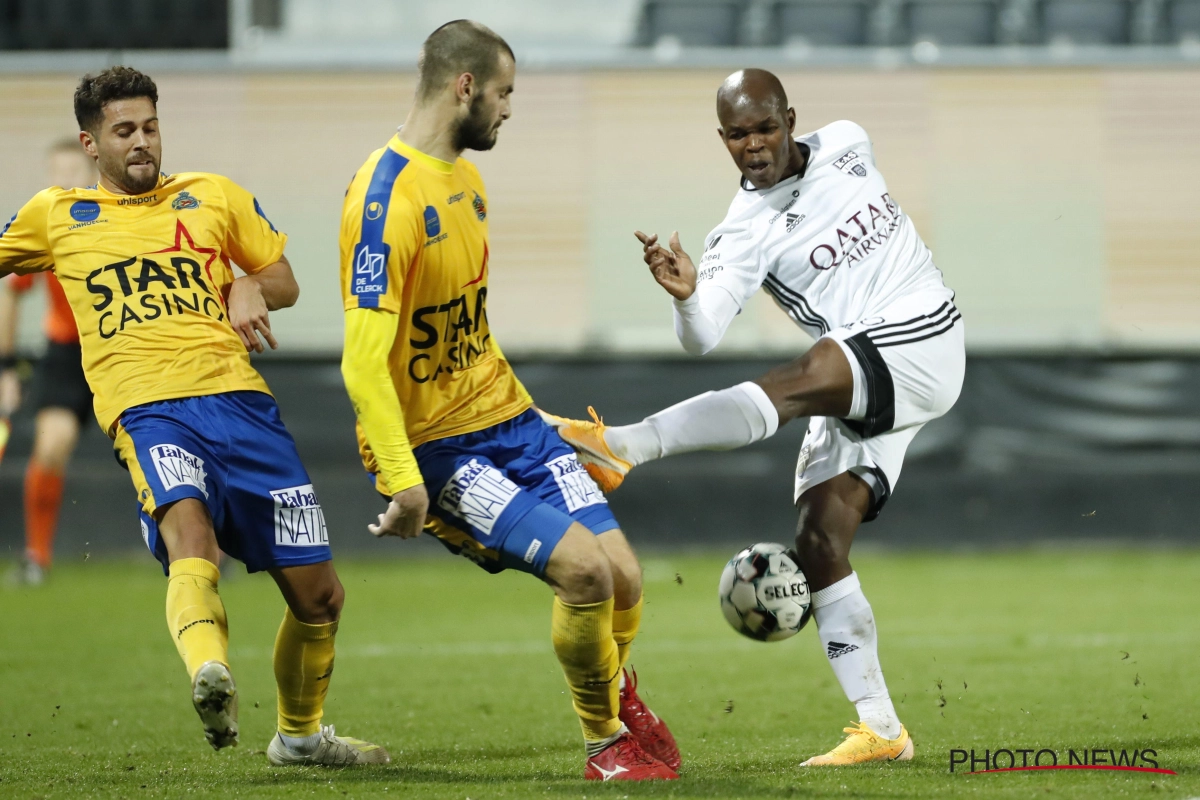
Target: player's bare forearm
x=277, y=284
x=252, y=297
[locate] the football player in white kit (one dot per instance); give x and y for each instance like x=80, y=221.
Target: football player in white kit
x=814, y=225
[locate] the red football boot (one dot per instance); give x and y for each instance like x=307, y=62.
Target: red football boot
x=651, y=732
x=625, y=760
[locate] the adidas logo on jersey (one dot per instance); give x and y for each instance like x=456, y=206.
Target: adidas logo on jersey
x=835, y=649
x=793, y=220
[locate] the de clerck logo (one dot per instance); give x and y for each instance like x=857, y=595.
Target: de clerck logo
x=1022, y=759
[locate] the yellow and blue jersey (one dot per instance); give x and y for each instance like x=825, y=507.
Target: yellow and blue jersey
x=414, y=243
x=146, y=277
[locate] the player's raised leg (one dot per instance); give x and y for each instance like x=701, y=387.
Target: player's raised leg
x=582, y=631
x=196, y=616
x=830, y=514
x=819, y=383
x=304, y=654
x=647, y=727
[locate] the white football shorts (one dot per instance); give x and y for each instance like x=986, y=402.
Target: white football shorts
x=908, y=364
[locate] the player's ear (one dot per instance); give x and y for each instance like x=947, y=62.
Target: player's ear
x=721, y=133
x=791, y=120
x=88, y=142
x=465, y=87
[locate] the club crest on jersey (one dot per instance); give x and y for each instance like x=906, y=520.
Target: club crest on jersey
x=184, y=202
x=479, y=206
x=851, y=164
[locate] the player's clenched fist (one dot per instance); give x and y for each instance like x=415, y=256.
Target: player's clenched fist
x=673, y=269
x=405, y=515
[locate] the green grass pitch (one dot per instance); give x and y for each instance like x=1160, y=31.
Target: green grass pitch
x=452, y=670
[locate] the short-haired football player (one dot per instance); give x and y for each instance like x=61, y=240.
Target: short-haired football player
x=145, y=260
x=446, y=429
x=814, y=225
x=61, y=393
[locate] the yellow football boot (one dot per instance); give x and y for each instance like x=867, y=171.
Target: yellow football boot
x=606, y=469
x=863, y=744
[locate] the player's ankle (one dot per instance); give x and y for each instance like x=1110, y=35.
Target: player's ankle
x=597, y=746
x=302, y=745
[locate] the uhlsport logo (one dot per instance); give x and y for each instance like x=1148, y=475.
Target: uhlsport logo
x=177, y=467
x=185, y=202
x=577, y=487
x=477, y=493
x=138, y=201
x=374, y=210
x=299, y=520
x=1021, y=759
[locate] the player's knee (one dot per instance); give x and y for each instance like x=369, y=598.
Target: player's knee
x=625, y=568
x=818, y=545
x=323, y=605
x=579, y=569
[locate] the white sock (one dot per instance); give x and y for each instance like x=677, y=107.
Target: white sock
x=723, y=420
x=598, y=746
x=303, y=744
x=846, y=626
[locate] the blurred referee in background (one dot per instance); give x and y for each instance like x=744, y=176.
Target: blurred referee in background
x=61, y=394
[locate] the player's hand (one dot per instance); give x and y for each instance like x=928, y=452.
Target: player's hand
x=10, y=392
x=673, y=269
x=248, y=314
x=405, y=515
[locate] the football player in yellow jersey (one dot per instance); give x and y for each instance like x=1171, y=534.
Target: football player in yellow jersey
x=447, y=431
x=145, y=260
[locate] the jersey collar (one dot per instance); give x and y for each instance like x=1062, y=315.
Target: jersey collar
x=413, y=154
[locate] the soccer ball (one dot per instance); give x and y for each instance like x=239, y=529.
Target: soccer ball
x=764, y=595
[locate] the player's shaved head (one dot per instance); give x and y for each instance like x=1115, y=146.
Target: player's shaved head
x=751, y=88
x=756, y=127
x=457, y=47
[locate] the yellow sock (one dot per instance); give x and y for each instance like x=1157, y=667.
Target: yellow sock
x=195, y=613
x=303, y=665
x=583, y=642
x=625, y=629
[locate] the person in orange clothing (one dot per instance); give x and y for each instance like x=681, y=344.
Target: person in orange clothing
x=62, y=396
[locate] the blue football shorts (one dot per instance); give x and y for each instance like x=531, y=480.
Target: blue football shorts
x=505, y=496
x=231, y=452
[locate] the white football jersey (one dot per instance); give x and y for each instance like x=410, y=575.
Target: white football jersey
x=831, y=246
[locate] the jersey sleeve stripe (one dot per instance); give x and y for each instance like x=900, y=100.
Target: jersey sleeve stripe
x=370, y=279
x=795, y=301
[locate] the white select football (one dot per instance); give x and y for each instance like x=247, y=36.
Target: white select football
x=764, y=595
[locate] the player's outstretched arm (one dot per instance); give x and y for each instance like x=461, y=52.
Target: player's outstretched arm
x=252, y=297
